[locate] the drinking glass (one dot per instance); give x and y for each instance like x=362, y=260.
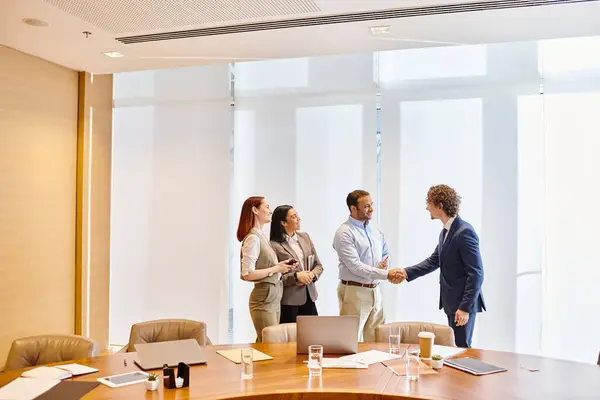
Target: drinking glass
x=247, y=363
x=412, y=365
x=395, y=340
x=315, y=360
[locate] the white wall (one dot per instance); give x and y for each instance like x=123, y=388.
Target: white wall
x=170, y=204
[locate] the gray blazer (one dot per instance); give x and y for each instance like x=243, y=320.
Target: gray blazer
x=294, y=295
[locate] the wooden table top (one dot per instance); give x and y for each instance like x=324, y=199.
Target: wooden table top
x=286, y=377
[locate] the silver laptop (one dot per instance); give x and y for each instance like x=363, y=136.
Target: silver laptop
x=337, y=335
x=156, y=355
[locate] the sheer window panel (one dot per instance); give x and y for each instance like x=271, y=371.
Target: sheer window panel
x=175, y=251
x=129, y=86
x=568, y=56
x=427, y=139
x=528, y=316
x=530, y=224
x=329, y=160
x=131, y=204
x=308, y=146
x=271, y=76
x=397, y=66
x=571, y=296
x=491, y=76
x=310, y=157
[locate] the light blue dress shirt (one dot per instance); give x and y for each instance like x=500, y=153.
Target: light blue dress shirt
x=360, y=248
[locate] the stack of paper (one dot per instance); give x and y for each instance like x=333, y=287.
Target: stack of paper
x=371, y=357
x=446, y=351
x=340, y=363
x=235, y=355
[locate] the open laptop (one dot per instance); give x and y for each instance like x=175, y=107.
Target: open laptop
x=337, y=334
x=156, y=355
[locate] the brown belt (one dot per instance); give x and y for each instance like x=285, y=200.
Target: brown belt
x=367, y=285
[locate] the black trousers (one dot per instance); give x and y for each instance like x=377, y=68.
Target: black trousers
x=289, y=313
x=463, y=334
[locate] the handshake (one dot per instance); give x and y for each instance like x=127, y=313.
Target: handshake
x=397, y=275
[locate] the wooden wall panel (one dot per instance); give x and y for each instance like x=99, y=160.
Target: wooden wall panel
x=38, y=160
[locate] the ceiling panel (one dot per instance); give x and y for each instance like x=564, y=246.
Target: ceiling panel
x=130, y=16
x=62, y=40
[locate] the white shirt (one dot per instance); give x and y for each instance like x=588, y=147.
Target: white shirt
x=360, y=248
x=293, y=242
x=251, y=250
x=447, y=226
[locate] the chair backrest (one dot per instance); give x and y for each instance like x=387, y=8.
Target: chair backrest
x=409, y=331
x=162, y=330
x=46, y=349
x=282, y=333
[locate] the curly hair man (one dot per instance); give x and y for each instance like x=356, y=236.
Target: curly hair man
x=458, y=257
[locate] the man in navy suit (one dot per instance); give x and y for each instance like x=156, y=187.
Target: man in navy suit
x=459, y=260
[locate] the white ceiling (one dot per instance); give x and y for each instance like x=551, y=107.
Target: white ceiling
x=62, y=41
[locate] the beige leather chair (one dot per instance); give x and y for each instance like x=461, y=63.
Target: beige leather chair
x=46, y=349
x=409, y=331
x=162, y=330
x=282, y=333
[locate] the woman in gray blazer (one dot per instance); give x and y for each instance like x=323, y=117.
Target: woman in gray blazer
x=299, y=289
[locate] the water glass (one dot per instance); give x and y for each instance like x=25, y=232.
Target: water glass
x=247, y=363
x=412, y=365
x=395, y=340
x=315, y=360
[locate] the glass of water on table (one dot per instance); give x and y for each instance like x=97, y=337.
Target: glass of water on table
x=315, y=360
x=395, y=340
x=247, y=363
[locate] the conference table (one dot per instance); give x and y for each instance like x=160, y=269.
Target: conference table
x=286, y=377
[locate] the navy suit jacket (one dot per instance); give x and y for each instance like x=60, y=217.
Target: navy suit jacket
x=461, y=269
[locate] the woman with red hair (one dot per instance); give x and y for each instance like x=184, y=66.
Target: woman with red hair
x=259, y=264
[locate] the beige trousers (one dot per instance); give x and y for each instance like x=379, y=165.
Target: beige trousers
x=265, y=306
x=364, y=302
x=262, y=319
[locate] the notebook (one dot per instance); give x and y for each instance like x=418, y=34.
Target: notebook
x=473, y=366
x=58, y=372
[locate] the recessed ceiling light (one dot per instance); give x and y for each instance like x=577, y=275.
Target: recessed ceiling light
x=35, y=22
x=380, y=30
x=113, y=54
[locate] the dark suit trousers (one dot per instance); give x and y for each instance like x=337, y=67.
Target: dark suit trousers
x=289, y=313
x=463, y=334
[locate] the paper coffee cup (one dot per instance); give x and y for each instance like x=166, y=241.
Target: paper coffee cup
x=426, y=344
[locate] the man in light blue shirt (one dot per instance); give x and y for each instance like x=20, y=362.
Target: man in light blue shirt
x=363, y=255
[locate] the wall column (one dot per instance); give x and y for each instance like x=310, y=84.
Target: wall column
x=94, y=149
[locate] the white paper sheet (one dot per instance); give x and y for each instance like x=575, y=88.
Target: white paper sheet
x=447, y=351
x=371, y=357
x=339, y=363
x=26, y=388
